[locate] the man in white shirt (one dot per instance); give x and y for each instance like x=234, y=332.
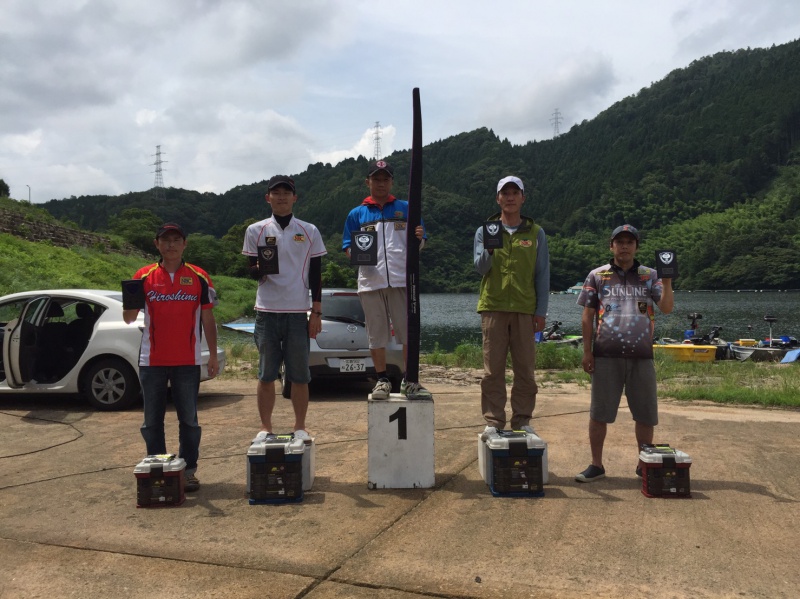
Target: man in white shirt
x=283, y=328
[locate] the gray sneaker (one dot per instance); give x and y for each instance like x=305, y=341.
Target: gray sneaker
x=382, y=389
x=415, y=391
x=591, y=473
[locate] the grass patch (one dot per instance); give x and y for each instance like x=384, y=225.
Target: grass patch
x=730, y=382
x=558, y=356
x=241, y=357
x=25, y=265
x=467, y=354
x=573, y=375
x=725, y=381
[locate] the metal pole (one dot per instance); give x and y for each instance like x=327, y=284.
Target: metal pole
x=29, y=193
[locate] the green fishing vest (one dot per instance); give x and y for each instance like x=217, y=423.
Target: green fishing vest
x=509, y=285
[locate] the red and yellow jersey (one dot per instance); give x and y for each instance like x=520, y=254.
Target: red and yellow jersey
x=173, y=304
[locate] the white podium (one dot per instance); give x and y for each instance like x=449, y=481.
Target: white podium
x=400, y=443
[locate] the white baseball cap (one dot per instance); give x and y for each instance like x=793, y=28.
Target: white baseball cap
x=515, y=180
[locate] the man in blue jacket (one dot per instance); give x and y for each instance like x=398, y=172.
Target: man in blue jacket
x=382, y=288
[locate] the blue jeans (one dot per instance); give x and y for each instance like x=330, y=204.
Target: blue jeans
x=185, y=383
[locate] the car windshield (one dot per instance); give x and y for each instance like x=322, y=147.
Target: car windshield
x=345, y=307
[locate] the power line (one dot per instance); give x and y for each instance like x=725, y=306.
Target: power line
x=158, y=186
x=556, y=120
x=377, y=139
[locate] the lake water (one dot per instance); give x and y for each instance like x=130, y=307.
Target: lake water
x=449, y=319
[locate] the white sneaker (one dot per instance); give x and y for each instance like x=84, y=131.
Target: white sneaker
x=302, y=435
x=489, y=430
x=261, y=437
x=382, y=389
x=528, y=429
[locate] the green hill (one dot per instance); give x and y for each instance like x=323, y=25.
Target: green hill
x=704, y=161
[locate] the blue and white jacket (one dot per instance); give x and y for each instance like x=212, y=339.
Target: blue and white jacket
x=390, y=223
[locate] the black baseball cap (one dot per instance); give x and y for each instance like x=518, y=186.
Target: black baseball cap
x=380, y=165
x=626, y=229
x=167, y=227
x=279, y=180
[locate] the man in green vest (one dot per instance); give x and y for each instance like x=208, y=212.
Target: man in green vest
x=513, y=306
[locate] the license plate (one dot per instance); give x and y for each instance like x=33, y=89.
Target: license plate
x=352, y=365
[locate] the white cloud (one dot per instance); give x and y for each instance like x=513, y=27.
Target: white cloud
x=145, y=117
x=22, y=144
x=365, y=146
x=523, y=110
x=237, y=91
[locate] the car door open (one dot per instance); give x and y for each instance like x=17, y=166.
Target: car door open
x=20, y=342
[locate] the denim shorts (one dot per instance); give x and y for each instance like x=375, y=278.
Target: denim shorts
x=282, y=337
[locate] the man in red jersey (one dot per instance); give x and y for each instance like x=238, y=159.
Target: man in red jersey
x=179, y=298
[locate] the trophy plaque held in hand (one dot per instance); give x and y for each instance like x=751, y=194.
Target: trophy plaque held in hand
x=364, y=248
x=492, y=235
x=666, y=264
x=133, y=294
x=268, y=257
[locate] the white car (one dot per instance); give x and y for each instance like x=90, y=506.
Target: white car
x=74, y=341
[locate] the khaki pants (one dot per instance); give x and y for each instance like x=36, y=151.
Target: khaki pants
x=380, y=307
x=504, y=331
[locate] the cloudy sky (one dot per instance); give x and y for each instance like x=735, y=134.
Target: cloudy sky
x=235, y=91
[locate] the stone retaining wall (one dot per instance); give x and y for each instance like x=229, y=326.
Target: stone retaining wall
x=19, y=225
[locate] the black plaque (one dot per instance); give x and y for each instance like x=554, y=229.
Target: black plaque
x=492, y=235
x=364, y=248
x=268, y=259
x=133, y=294
x=666, y=264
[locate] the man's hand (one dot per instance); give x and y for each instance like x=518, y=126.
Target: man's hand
x=588, y=362
x=314, y=325
x=213, y=365
x=538, y=323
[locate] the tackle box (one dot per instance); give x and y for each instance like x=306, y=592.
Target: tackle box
x=160, y=480
x=513, y=463
x=279, y=469
x=665, y=471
